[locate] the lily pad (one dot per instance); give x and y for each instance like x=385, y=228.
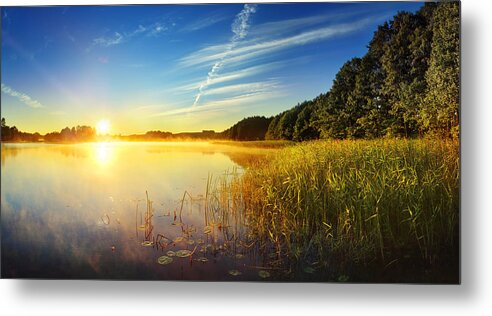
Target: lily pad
x=183, y=253
x=171, y=253
x=239, y=256
x=164, y=260
x=147, y=243
x=202, y=259
x=235, y=272
x=264, y=274
x=207, y=229
x=178, y=239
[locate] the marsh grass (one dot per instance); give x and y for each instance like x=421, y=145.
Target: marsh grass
x=267, y=144
x=352, y=207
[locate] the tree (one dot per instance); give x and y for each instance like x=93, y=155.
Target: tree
x=287, y=122
x=397, y=64
x=251, y=128
x=6, y=135
x=304, y=129
x=271, y=133
x=441, y=111
x=336, y=119
x=407, y=84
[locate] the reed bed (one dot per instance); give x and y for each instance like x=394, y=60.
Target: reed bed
x=336, y=205
x=267, y=144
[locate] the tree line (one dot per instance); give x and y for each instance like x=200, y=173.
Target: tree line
x=74, y=134
x=88, y=134
x=406, y=85
x=251, y=128
x=12, y=134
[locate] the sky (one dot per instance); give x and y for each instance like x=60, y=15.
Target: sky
x=175, y=67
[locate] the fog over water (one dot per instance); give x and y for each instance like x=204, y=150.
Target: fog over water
x=79, y=211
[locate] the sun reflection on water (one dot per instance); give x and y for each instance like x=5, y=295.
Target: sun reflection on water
x=103, y=153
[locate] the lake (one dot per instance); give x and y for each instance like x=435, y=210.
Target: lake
x=82, y=211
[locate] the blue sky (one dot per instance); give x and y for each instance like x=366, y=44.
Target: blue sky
x=175, y=67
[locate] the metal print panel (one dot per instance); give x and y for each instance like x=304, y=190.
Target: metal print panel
x=300, y=142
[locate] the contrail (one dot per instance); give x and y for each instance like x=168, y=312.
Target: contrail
x=240, y=28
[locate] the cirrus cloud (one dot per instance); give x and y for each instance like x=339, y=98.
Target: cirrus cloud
x=24, y=98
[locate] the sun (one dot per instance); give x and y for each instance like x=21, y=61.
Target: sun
x=102, y=127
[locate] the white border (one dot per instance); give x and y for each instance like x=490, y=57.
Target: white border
x=473, y=297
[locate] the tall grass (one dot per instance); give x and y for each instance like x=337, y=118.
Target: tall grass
x=359, y=202
x=268, y=144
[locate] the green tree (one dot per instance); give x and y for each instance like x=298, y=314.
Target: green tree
x=304, y=129
x=286, y=124
x=397, y=63
x=271, y=133
x=337, y=118
x=441, y=111
x=250, y=128
x=405, y=85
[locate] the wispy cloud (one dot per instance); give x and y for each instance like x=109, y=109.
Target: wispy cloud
x=116, y=39
x=232, y=76
x=156, y=29
x=220, y=105
x=252, y=50
x=240, y=28
x=244, y=88
x=244, y=99
x=204, y=23
x=151, y=30
x=276, y=28
x=285, y=26
x=228, y=90
x=24, y=98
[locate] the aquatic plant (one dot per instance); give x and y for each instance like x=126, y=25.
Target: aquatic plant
x=341, y=204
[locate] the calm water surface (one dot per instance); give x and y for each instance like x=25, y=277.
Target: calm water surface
x=80, y=211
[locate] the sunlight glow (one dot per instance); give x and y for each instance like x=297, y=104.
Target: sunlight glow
x=102, y=127
x=103, y=153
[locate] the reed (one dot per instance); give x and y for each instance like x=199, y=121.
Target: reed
x=258, y=144
x=353, y=202
x=149, y=227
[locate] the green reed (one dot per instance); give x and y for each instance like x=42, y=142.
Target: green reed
x=353, y=201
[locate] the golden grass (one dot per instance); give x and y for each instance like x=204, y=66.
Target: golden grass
x=353, y=201
x=257, y=144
